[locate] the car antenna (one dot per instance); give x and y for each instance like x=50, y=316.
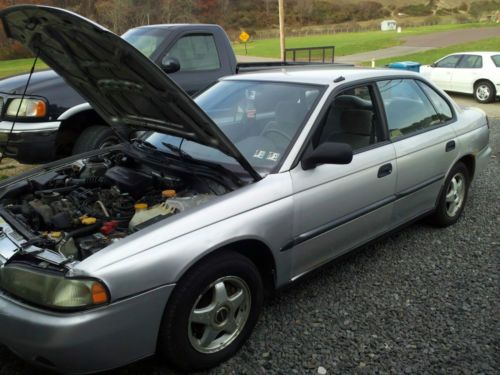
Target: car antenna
x=19, y=108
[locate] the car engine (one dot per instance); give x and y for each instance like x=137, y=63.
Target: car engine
x=83, y=207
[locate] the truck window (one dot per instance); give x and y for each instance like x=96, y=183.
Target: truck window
x=196, y=52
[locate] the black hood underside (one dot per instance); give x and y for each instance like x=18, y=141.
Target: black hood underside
x=122, y=85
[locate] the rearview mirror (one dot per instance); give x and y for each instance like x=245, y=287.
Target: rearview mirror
x=170, y=65
x=328, y=153
x=433, y=65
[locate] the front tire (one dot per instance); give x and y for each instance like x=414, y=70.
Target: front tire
x=484, y=92
x=211, y=312
x=95, y=137
x=453, y=196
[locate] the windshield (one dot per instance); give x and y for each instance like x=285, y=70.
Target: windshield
x=260, y=118
x=146, y=40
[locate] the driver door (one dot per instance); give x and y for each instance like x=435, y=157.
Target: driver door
x=339, y=207
x=442, y=73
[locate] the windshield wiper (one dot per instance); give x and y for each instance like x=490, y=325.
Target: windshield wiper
x=142, y=142
x=183, y=155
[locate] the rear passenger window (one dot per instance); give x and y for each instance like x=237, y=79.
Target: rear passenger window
x=496, y=60
x=407, y=108
x=471, y=62
x=441, y=106
x=351, y=119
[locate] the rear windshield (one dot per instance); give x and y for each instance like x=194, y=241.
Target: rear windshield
x=496, y=60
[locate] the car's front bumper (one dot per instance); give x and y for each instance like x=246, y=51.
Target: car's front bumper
x=30, y=143
x=87, y=341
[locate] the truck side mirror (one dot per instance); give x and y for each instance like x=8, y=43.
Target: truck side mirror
x=328, y=153
x=170, y=65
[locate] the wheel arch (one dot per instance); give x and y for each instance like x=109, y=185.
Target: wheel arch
x=73, y=123
x=253, y=249
x=470, y=163
x=479, y=80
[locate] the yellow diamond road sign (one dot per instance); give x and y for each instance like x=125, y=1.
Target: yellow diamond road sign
x=244, y=37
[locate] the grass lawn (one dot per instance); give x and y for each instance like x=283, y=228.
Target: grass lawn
x=11, y=67
x=346, y=43
x=428, y=57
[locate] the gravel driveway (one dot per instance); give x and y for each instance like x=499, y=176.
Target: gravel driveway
x=421, y=301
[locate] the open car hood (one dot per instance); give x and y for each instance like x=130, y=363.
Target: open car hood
x=122, y=85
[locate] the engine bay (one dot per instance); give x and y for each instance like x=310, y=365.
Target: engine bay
x=80, y=208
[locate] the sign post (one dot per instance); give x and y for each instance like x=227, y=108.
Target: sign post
x=244, y=36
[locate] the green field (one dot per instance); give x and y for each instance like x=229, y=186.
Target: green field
x=11, y=67
x=428, y=57
x=346, y=43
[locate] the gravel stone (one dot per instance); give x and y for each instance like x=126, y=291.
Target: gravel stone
x=422, y=301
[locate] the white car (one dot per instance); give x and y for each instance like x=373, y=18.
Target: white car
x=476, y=73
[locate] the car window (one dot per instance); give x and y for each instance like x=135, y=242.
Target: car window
x=448, y=62
x=407, y=108
x=145, y=40
x=195, y=52
x=351, y=118
x=471, y=61
x=496, y=60
x=442, y=107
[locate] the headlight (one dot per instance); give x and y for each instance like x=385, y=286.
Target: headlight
x=27, y=108
x=51, y=290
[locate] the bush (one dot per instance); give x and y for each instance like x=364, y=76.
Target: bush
x=416, y=10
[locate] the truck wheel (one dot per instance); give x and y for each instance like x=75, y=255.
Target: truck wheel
x=211, y=312
x=453, y=197
x=94, y=138
x=484, y=92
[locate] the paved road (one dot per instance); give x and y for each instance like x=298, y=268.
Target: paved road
x=420, y=43
x=491, y=109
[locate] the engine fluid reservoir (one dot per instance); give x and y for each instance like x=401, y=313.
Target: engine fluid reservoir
x=185, y=203
x=142, y=214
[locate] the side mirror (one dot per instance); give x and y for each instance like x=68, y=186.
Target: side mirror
x=328, y=153
x=433, y=65
x=170, y=65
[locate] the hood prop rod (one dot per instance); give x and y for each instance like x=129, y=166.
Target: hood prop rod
x=19, y=108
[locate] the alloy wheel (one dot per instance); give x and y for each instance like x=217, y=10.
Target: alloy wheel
x=219, y=314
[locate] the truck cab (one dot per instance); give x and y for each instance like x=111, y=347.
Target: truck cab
x=194, y=56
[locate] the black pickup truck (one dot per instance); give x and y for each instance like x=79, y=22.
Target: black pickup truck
x=54, y=121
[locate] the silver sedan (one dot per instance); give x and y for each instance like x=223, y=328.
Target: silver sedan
x=167, y=243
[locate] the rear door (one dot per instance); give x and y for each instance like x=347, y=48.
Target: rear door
x=418, y=119
x=339, y=207
x=468, y=70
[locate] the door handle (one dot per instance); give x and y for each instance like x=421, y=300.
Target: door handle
x=450, y=146
x=384, y=170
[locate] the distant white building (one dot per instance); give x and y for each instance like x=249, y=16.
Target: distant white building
x=387, y=25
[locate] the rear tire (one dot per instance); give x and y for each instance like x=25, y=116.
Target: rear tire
x=211, y=312
x=484, y=92
x=452, y=200
x=95, y=137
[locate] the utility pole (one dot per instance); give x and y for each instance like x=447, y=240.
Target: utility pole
x=282, y=28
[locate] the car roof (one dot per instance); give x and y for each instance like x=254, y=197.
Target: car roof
x=484, y=53
x=319, y=75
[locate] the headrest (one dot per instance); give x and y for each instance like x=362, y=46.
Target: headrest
x=356, y=121
x=352, y=102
